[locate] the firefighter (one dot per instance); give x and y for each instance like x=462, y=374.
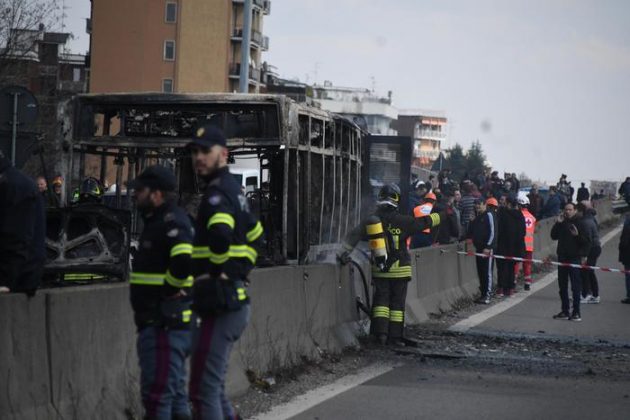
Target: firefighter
x=530, y=228
x=424, y=239
x=90, y=192
x=227, y=237
x=160, y=284
x=387, y=231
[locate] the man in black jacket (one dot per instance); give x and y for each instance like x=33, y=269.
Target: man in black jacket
x=573, y=248
x=511, y=242
x=582, y=193
x=483, y=233
x=22, y=231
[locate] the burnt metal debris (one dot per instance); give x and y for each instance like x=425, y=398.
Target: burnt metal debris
x=311, y=162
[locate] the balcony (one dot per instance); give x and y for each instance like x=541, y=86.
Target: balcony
x=258, y=39
x=264, y=5
x=235, y=73
x=430, y=134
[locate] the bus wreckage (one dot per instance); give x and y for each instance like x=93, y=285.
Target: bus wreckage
x=304, y=171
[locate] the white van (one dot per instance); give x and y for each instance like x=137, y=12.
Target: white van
x=248, y=178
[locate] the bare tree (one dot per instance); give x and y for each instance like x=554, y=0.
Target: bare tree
x=22, y=25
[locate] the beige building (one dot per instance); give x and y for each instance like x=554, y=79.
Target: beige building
x=427, y=130
x=173, y=45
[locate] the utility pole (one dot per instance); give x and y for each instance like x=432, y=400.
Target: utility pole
x=245, y=45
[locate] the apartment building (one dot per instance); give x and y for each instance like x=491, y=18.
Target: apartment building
x=427, y=130
x=173, y=45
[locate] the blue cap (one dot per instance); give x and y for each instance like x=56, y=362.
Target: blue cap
x=206, y=135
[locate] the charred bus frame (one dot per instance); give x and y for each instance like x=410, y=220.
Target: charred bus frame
x=313, y=160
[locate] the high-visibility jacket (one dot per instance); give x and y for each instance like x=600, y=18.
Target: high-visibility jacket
x=398, y=228
x=530, y=228
x=423, y=210
x=161, y=267
x=227, y=235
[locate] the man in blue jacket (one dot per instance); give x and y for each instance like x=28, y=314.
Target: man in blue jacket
x=553, y=206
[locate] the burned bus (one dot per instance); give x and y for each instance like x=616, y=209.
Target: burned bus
x=310, y=163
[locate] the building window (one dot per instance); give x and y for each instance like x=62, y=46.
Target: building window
x=171, y=12
x=167, y=85
x=169, y=50
x=76, y=74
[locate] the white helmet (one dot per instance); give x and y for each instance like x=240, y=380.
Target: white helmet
x=522, y=198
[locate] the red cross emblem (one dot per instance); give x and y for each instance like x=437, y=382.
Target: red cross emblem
x=528, y=222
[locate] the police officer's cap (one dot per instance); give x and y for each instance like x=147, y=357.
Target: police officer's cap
x=206, y=135
x=156, y=178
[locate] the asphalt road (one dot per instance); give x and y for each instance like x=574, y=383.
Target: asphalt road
x=494, y=382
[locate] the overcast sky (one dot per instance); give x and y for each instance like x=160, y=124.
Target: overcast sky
x=544, y=85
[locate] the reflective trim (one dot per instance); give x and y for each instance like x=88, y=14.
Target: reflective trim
x=82, y=276
x=393, y=273
x=435, y=219
x=242, y=295
x=396, y=316
x=235, y=251
x=186, y=315
x=201, y=252
x=217, y=218
x=218, y=258
x=147, y=279
x=255, y=233
x=175, y=282
x=380, y=312
x=181, y=249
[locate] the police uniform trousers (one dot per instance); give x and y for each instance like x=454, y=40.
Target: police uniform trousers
x=388, y=307
x=213, y=340
x=162, y=354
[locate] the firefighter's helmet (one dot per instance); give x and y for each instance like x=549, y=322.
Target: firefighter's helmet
x=389, y=195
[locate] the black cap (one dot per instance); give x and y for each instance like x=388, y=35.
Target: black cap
x=206, y=135
x=156, y=178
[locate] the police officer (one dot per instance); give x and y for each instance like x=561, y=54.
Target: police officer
x=160, y=284
x=391, y=268
x=225, y=251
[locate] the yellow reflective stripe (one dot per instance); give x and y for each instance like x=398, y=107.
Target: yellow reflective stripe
x=226, y=218
x=396, y=316
x=200, y=252
x=175, y=282
x=147, y=279
x=218, y=258
x=186, y=315
x=244, y=251
x=374, y=229
x=181, y=249
x=235, y=251
x=240, y=291
x=393, y=273
x=82, y=276
x=255, y=233
x=435, y=219
x=380, y=312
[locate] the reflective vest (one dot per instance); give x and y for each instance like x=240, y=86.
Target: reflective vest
x=423, y=210
x=530, y=227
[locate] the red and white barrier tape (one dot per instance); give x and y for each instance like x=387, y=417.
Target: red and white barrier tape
x=536, y=261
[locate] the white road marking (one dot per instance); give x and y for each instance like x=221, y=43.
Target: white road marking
x=316, y=396
x=481, y=317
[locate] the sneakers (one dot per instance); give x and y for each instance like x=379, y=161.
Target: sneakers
x=575, y=317
x=483, y=300
x=527, y=287
x=586, y=299
x=499, y=293
x=561, y=315
x=594, y=299
x=510, y=292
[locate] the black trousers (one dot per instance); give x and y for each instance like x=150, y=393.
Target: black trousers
x=388, y=307
x=566, y=274
x=485, y=267
x=505, y=272
x=590, y=286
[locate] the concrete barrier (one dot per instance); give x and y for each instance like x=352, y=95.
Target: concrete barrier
x=24, y=367
x=70, y=353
